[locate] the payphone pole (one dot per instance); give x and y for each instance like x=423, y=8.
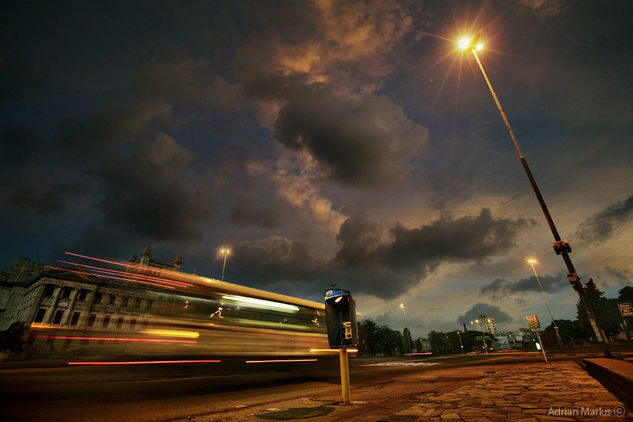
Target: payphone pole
x=344, y=374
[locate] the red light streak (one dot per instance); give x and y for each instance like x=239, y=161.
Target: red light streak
x=281, y=360
x=143, y=362
x=132, y=276
x=117, y=263
x=112, y=277
x=123, y=339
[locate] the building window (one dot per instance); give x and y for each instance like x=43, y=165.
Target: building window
x=112, y=300
x=98, y=298
x=106, y=321
x=75, y=318
x=119, y=322
x=49, y=289
x=124, y=301
x=82, y=295
x=66, y=291
x=39, y=317
x=132, y=323
x=58, y=317
x=91, y=320
x=137, y=303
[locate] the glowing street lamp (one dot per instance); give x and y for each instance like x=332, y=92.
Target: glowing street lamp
x=224, y=252
x=532, y=261
x=404, y=313
x=561, y=246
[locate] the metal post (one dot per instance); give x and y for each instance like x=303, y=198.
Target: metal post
x=540, y=344
x=572, y=276
x=344, y=374
x=560, y=341
x=223, y=266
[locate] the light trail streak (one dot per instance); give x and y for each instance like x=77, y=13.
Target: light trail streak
x=123, y=339
x=143, y=362
x=281, y=360
x=116, y=263
x=112, y=277
x=260, y=303
x=332, y=350
x=172, y=333
x=128, y=274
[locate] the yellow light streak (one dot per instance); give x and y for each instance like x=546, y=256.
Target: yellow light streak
x=173, y=333
x=260, y=303
x=332, y=350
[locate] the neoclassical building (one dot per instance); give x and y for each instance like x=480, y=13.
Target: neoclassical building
x=74, y=297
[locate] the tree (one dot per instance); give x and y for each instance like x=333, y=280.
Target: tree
x=407, y=341
x=367, y=337
x=604, y=309
x=439, y=343
x=568, y=330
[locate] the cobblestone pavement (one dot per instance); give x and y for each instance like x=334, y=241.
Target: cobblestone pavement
x=559, y=391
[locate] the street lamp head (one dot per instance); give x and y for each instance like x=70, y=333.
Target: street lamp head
x=225, y=251
x=470, y=43
x=531, y=261
x=403, y=306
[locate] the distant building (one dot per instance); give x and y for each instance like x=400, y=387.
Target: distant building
x=491, y=327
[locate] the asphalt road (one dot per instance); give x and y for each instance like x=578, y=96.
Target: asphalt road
x=164, y=392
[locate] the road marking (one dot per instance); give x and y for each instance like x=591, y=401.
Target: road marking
x=402, y=364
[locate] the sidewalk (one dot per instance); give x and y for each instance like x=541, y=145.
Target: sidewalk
x=559, y=391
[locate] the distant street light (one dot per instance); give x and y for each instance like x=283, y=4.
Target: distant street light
x=532, y=261
x=224, y=252
x=561, y=246
x=404, y=313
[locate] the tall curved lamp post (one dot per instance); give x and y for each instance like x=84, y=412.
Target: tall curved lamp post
x=561, y=246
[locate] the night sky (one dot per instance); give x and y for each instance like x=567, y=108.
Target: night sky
x=325, y=142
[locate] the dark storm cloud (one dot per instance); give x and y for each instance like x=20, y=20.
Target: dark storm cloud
x=250, y=211
x=29, y=181
x=364, y=139
x=484, y=309
x=17, y=80
x=382, y=264
x=501, y=288
x=187, y=82
x=147, y=192
x=602, y=226
x=464, y=239
x=107, y=129
x=274, y=259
